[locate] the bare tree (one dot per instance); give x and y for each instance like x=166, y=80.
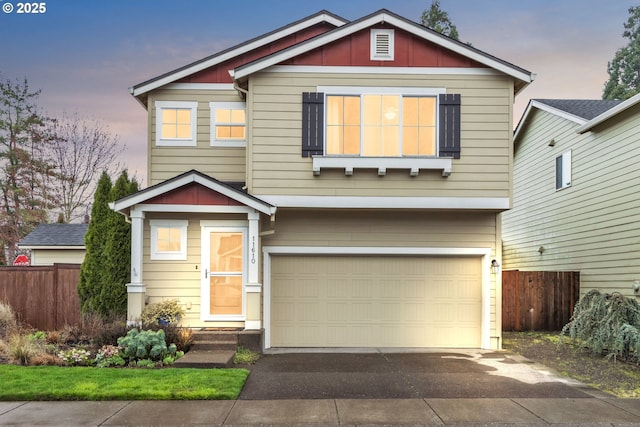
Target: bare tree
x=81, y=150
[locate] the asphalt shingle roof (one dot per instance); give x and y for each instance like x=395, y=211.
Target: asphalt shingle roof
x=586, y=108
x=56, y=235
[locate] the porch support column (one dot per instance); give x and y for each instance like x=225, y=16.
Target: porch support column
x=253, y=288
x=136, y=289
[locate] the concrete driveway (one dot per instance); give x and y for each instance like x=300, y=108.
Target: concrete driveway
x=387, y=375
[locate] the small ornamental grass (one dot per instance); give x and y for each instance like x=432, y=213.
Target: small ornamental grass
x=607, y=324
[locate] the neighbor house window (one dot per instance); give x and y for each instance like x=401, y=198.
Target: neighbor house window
x=228, y=124
x=563, y=170
x=169, y=239
x=176, y=123
x=381, y=125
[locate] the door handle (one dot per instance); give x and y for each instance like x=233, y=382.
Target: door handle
x=206, y=273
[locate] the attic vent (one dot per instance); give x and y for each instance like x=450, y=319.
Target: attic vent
x=382, y=45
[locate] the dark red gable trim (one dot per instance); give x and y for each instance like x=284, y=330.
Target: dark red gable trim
x=193, y=194
x=409, y=51
x=220, y=72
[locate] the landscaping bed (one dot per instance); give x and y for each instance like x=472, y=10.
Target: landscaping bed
x=616, y=377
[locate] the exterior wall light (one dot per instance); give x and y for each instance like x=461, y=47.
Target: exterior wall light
x=636, y=286
x=495, y=267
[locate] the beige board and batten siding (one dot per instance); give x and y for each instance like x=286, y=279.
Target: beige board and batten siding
x=222, y=163
x=277, y=168
x=591, y=226
x=391, y=229
x=179, y=279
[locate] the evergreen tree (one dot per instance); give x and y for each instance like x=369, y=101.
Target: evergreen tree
x=91, y=274
x=624, y=69
x=438, y=20
x=117, y=256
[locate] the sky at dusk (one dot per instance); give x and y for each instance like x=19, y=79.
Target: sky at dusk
x=84, y=55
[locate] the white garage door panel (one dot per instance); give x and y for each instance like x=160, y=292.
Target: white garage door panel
x=376, y=301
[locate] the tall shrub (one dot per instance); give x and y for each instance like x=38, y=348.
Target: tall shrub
x=117, y=253
x=91, y=273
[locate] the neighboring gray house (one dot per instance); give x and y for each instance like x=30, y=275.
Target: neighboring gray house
x=56, y=244
x=576, y=198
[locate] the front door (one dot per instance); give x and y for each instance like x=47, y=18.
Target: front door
x=224, y=268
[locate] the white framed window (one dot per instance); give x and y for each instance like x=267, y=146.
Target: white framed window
x=176, y=123
x=169, y=239
x=382, y=45
x=228, y=124
x=563, y=170
x=399, y=122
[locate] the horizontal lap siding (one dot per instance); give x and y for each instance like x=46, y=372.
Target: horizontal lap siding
x=592, y=226
x=177, y=279
x=278, y=167
x=387, y=229
x=223, y=163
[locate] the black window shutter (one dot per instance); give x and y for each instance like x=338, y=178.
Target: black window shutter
x=449, y=138
x=312, y=124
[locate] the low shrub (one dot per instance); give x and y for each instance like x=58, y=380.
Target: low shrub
x=23, y=348
x=8, y=321
x=181, y=337
x=607, y=324
x=167, y=312
x=76, y=357
x=147, y=345
x=109, y=355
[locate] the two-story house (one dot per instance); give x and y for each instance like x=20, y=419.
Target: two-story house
x=333, y=183
x=576, y=201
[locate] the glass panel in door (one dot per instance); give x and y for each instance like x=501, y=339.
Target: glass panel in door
x=225, y=278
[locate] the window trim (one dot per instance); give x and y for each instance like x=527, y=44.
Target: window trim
x=154, y=253
x=177, y=142
x=398, y=91
x=565, y=163
x=214, y=142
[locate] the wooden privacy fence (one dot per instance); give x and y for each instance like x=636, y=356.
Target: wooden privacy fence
x=538, y=300
x=44, y=297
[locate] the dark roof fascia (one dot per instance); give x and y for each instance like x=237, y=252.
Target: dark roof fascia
x=239, y=46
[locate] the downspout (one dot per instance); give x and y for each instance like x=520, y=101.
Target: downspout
x=242, y=92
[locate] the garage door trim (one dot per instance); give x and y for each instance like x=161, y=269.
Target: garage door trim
x=485, y=253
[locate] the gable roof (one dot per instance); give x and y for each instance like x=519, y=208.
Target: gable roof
x=322, y=16
x=579, y=111
x=192, y=176
x=609, y=114
x=383, y=16
x=55, y=235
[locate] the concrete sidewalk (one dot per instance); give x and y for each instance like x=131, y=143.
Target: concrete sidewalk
x=326, y=412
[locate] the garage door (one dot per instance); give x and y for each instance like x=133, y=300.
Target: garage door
x=376, y=301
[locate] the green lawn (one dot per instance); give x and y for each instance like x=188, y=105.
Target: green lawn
x=59, y=383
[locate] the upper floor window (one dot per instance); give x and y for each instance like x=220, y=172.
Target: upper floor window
x=375, y=125
x=228, y=124
x=563, y=170
x=367, y=127
x=169, y=239
x=176, y=123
